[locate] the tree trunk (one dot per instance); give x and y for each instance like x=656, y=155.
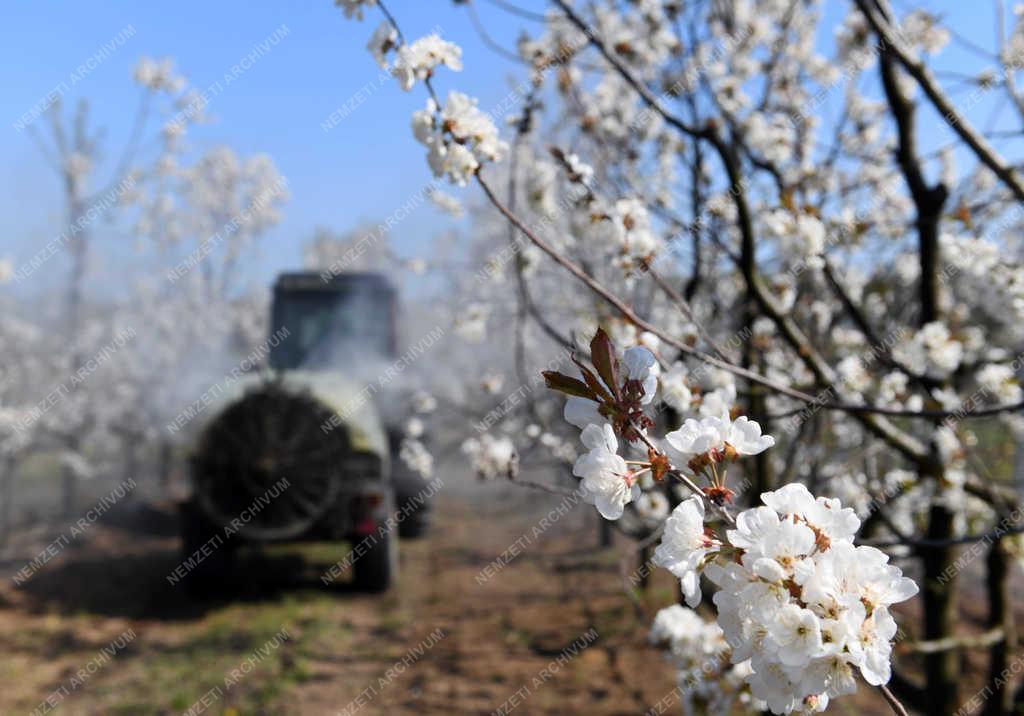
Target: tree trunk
x=1000, y=614
x=604, y=534
x=78, y=247
x=942, y=669
x=645, y=569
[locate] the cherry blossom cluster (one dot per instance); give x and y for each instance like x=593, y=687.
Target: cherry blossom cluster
x=607, y=403
x=459, y=137
x=714, y=441
x=416, y=457
x=418, y=60
x=624, y=225
x=492, y=456
x=765, y=165
x=412, y=450
x=709, y=683
x=158, y=75
x=801, y=609
x=795, y=596
x=354, y=8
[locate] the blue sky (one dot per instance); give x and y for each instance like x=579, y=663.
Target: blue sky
x=360, y=170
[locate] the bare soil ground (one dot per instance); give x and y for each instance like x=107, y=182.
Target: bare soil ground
x=453, y=638
x=503, y=636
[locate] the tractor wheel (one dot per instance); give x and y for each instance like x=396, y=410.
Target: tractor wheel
x=376, y=570
x=415, y=524
x=207, y=557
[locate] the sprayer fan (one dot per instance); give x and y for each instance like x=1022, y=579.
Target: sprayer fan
x=268, y=437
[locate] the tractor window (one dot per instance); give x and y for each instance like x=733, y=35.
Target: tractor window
x=330, y=330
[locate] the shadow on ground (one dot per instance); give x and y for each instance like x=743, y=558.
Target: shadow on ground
x=123, y=570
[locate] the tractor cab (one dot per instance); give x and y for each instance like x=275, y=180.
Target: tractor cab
x=332, y=322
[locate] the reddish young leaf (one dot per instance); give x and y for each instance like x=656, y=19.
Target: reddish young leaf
x=595, y=384
x=602, y=353
x=568, y=385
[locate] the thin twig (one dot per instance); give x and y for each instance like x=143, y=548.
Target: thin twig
x=687, y=311
x=957, y=122
x=950, y=643
x=685, y=479
x=621, y=68
x=631, y=316
x=401, y=39
x=897, y=707
x=553, y=489
x=905, y=540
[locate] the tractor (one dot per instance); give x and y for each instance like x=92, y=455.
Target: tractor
x=299, y=450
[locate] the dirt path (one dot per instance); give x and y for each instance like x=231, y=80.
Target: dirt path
x=500, y=612
x=507, y=605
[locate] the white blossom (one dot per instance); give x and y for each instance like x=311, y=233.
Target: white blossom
x=607, y=483
x=418, y=60
x=715, y=436
x=416, y=457
x=674, y=389
x=448, y=204
x=383, y=39
x=492, y=456
x=642, y=366
x=354, y=8
x=652, y=506
x=684, y=547
x=804, y=603
x=459, y=137
x=471, y=323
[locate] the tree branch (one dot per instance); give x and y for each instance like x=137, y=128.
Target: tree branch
x=879, y=21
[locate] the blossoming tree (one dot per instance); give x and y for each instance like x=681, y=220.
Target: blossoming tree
x=204, y=214
x=817, y=300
